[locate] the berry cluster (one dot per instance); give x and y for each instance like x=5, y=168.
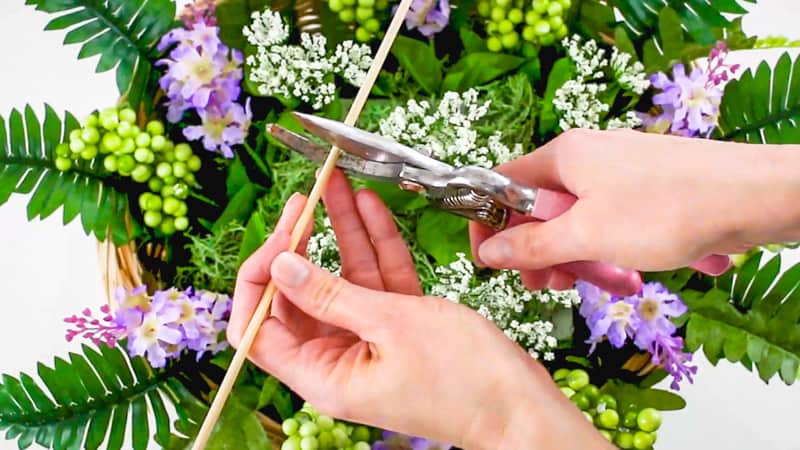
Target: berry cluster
x=540, y=22
x=146, y=156
x=634, y=430
x=309, y=430
x=364, y=14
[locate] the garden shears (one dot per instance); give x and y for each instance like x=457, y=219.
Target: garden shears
x=479, y=194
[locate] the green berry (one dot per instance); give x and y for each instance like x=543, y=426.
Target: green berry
x=484, y=8
x=144, y=155
x=542, y=27
x=361, y=446
x=170, y=180
x=181, y=223
x=110, y=143
x=155, y=184
x=153, y=203
x=540, y=6
x=555, y=9
x=607, y=400
x=629, y=419
x=360, y=433
x=91, y=121
x=556, y=22
x=325, y=422
x=335, y=5
x=141, y=173
x=624, y=440
x=567, y=391
x=163, y=170
x=143, y=140
x=190, y=179
x=498, y=14
x=293, y=443
x=362, y=14
x=125, y=129
x=168, y=226
x=516, y=16
x=366, y=3
x=62, y=149
x=290, y=426
x=167, y=191
x=109, y=122
x=491, y=28
x=63, y=164
x=347, y=15
x=578, y=379
x=75, y=135
x=89, y=152
x=494, y=44
x=152, y=218
x=126, y=163
x=309, y=443
x=325, y=439
x=170, y=205
x=529, y=33
x=155, y=128
x=581, y=401
x=306, y=429
x=76, y=146
x=588, y=416
x=182, y=210
x=158, y=143
x=649, y=419
x=362, y=35
x=183, y=152
x=90, y=135
x=608, y=419
x=510, y=40
x=505, y=27
x=143, y=200
x=128, y=146
x=591, y=392
x=607, y=434
x=110, y=163
x=128, y=115
x=547, y=40
x=642, y=440
x=349, y=2
x=560, y=374
x=532, y=17
x=566, y=3
x=372, y=25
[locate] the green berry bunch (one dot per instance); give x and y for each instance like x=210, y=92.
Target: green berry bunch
x=146, y=156
x=364, y=15
x=309, y=430
x=633, y=430
x=540, y=22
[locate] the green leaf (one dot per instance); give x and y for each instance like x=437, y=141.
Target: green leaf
x=763, y=108
x=595, y=18
x=29, y=167
x=124, y=34
x=268, y=390
x=472, y=42
x=476, y=69
x=443, y=235
x=255, y=234
x=563, y=70
x=240, y=207
x=751, y=317
x=420, y=61
x=633, y=398
x=91, y=401
x=232, y=16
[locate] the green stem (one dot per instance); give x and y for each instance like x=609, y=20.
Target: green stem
x=759, y=125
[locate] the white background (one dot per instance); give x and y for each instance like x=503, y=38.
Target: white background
x=48, y=271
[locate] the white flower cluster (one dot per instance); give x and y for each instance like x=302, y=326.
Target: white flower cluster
x=322, y=249
x=629, y=120
x=578, y=100
x=505, y=301
x=304, y=71
x=445, y=131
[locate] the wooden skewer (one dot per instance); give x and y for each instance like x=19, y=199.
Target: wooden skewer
x=297, y=233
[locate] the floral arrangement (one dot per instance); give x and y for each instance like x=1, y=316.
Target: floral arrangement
x=179, y=178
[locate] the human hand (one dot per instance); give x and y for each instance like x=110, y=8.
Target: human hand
x=371, y=349
x=646, y=202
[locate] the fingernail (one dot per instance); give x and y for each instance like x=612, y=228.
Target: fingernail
x=495, y=252
x=316, y=172
x=290, y=270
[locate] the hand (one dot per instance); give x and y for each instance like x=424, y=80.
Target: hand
x=371, y=349
x=646, y=202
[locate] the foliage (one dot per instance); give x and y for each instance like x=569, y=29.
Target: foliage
x=763, y=107
x=513, y=109
x=214, y=259
x=90, y=400
x=123, y=33
x=27, y=155
x=749, y=317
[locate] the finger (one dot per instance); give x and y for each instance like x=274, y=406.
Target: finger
x=477, y=234
x=302, y=247
x=359, y=263
x=332, y=299
x=535, y=279
x=560, y=280
x=396, y=265
x=536, y=169
x=714, y=265
x=274, y=348
x=253, y=274
x=536, y=245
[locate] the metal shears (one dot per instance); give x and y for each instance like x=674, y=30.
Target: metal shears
x=479, y=194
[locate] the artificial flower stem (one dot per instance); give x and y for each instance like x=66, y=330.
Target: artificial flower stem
x=297, y=233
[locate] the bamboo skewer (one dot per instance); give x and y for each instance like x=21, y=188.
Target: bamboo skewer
x=306, y=216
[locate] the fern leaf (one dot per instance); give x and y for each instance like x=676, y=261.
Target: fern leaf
x=124, y=33
x=750, y=317
x=90, y=400
x=27, y=167
x=763, y=107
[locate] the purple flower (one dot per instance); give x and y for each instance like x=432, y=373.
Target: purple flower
x=429, y=16
x=689, y=104
x=397, y=441
x=655, y=305
x=606, y=315
x=156, y=336
x=199, y=11
x=98, y=330
x=219, y=131
x=668, y=352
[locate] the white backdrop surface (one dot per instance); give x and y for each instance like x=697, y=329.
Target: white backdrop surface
x=48, y=271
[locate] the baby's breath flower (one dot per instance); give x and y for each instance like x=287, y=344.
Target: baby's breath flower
x=304, y=71
x=630, y=76
x=445, y=130
x=629, y=120
x=322, y=249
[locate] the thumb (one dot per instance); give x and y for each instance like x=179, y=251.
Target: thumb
x=536, y=245
x=332, y=299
